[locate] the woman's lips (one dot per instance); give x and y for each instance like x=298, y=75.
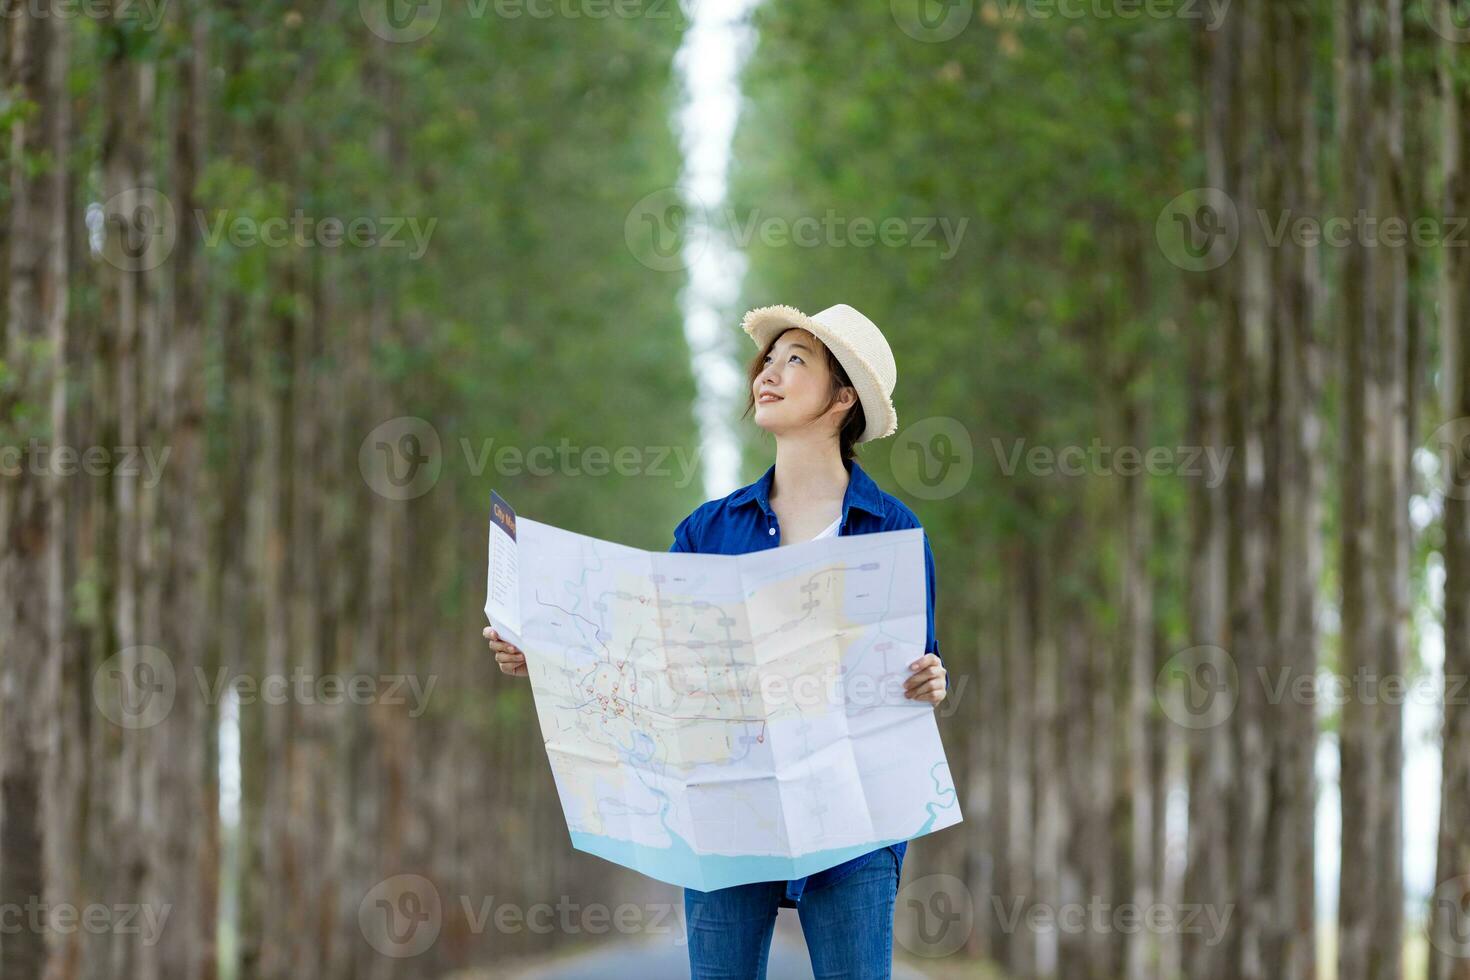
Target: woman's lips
x=767, y=399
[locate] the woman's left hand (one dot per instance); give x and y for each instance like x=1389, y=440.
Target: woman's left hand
x=929, y=680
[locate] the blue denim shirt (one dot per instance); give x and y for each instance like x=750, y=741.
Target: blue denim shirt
x=743, y=522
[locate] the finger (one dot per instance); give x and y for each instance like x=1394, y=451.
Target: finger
x=927, y=660
x=488, y=633
x=513, y=670
x=919, y=690
x=509, y=658
x=930, y=674
x=931, y=689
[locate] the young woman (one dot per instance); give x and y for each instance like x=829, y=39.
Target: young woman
x=820, y=385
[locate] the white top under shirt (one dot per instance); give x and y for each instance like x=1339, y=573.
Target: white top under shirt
x=831, y=529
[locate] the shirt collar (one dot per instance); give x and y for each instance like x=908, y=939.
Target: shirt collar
x=862, y=492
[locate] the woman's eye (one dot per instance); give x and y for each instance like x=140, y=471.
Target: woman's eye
x=797, y=357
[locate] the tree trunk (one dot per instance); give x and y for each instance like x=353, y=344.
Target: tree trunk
x=35, y=866
x=1374, y=551
x=1449, y=913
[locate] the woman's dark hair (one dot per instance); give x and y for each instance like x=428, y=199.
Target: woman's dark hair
x=853, y=423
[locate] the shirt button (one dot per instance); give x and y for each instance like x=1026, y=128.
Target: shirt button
x=771, y=531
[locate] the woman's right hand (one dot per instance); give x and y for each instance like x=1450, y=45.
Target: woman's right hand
x=509, y=656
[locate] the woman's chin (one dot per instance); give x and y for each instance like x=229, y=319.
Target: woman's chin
x=767, y=420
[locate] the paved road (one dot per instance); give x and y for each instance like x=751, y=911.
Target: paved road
x=668, y=961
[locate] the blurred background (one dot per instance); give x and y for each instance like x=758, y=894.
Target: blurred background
x=1178, y=292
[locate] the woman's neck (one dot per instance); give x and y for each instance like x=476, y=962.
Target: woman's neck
x=809, y=471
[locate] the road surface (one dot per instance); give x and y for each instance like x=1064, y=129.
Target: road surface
x=670, y=961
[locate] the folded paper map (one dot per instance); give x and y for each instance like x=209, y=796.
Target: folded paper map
x=713, y=720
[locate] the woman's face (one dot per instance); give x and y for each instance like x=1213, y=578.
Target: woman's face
x=792, y=388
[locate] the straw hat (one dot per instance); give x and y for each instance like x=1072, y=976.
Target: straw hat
x=859, y=347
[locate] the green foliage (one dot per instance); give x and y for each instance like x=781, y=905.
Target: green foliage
x=1058, y=141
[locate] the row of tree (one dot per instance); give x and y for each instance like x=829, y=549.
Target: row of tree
x=1125, y=279
x=330, y=409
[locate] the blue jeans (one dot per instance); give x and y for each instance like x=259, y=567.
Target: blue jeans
x=848, y=925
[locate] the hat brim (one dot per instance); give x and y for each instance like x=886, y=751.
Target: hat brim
x=767, y=322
